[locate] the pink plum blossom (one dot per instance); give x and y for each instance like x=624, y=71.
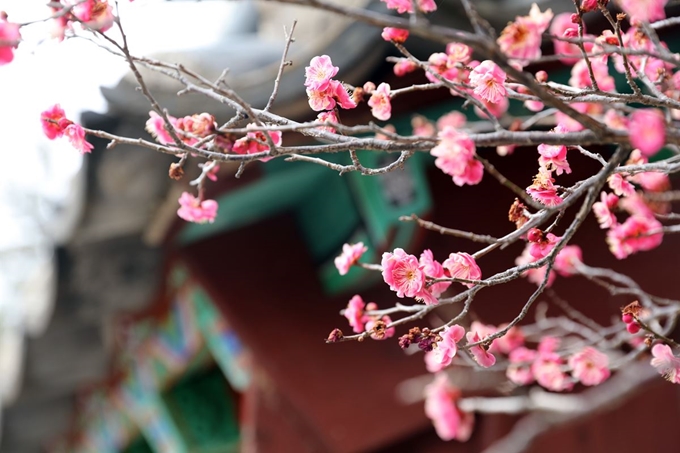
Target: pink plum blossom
x=193, y=209
x=427, y=6
x=156, y=127
x=433, y=269
x=534, y=106
x=647, y=131
x=580, y=76
x=488, y=81
x=369, y=87
x=388, y=333
x=445, y=350
x=615, y=120
x=636, y=157
x=637, y=233
x=543, y=190
x=635, y=205
x=602, y=210
x=256, y=142
x=355, y=313
x=10, y=37
x=381, y=108
x=76, y=135
x=422, y=126
x=453, y=119
x=636, y=39
x=453, y=65
x=442, y=64
x=404, y=66
x=402, y=273
x=471, y=173
x=327, y=117
x=331, y=93
x=55, y=124
x=388, y=128
x=534, y=275
x=319, y=73
x=588, y=5
x=589, y=366
x=189, y=128
x=567, y=259
x=543, y=245
x=197, y=126
x=321, y=99
x=341, y=96
x=440, y=407
x=458, y=52
x=455, y=157
x=652, y=181
x=548, y=344
x=620, y=186
x=666, y=363
x=481, y=355
x=463, y=265
x=513, y=339
x=212, y=174
x=569, y=123
x=50, y=120
x=505, y=150
x=96, y=14
x=519, y=370
x=405, y=6
x=484, y=330
x=349, y=257
x=643, y=10
x=394, y=34
x=58, y=25
x=560, y=24
x=547, y=370
x=496, y=109
x=521, y=40
x=554, y=158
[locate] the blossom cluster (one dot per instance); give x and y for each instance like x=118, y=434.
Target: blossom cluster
x=257, y=142
x=349, y=257
x=641, y=230
x=455, y=155
x=9, y=39
x=440, y=406
x=362, y=321
x=55, y=125
x=521, y=39
x=88, y=14
x=325, y=93
x=408, y=276
x=195, y=210
x=406, y=6
x=545, y=366
x=630, y=207
x=190, y=129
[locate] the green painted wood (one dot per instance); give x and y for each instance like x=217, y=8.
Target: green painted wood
x=145, y=406
x=382, y=199
x=327, y=217
x=270, y=195
x=224, y=346
x=139, y=445
x=205, y=412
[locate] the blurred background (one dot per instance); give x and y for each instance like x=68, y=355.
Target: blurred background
x=124, y=329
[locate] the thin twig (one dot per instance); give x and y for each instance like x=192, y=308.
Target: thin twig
x=448, y=231
x=284, y=63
